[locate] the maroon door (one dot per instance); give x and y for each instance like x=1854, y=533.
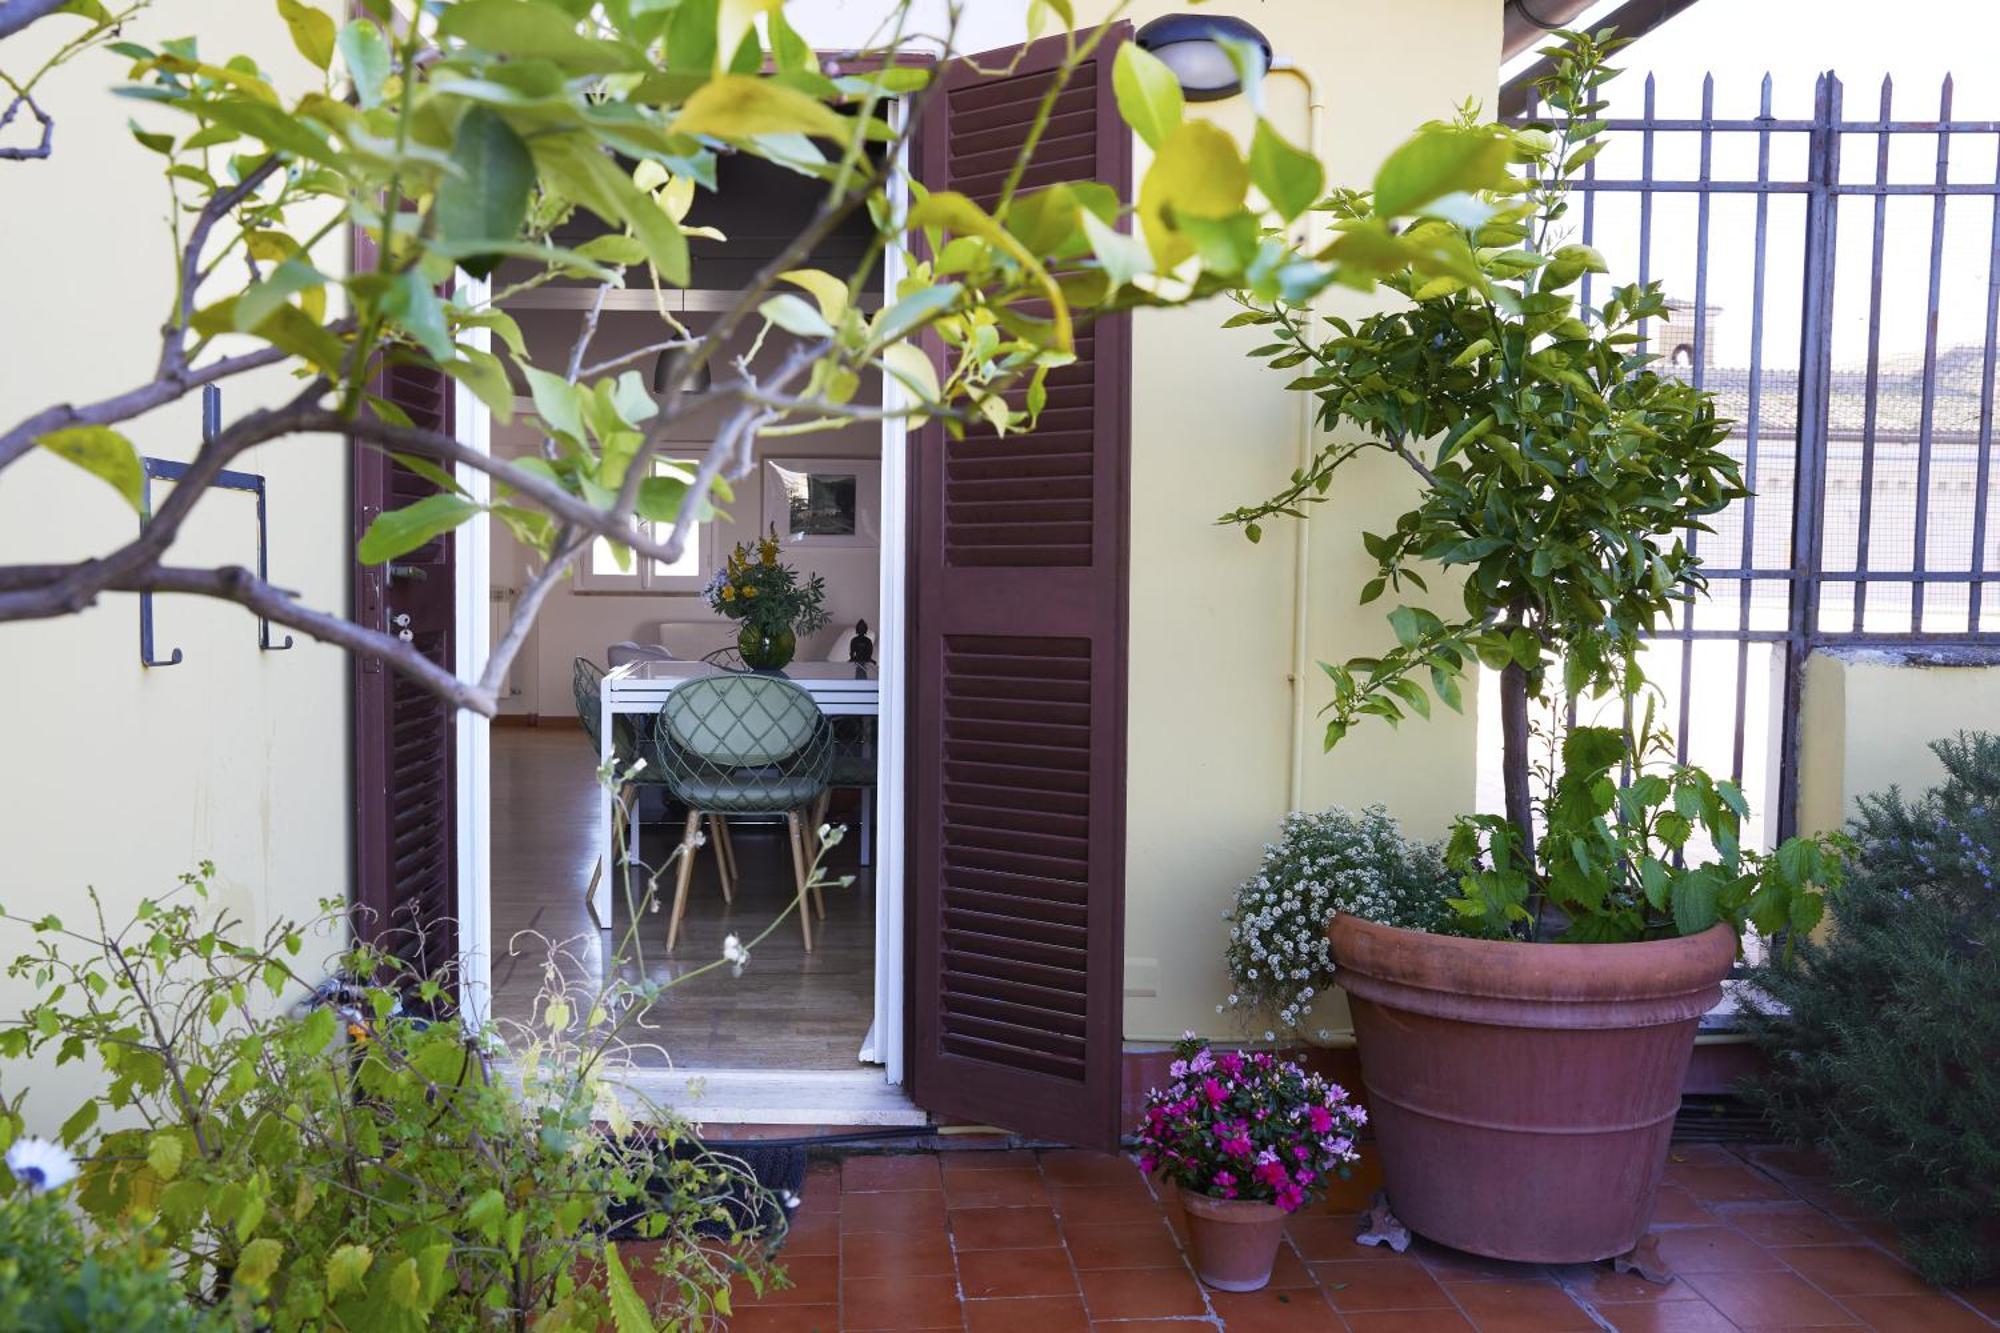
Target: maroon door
x=1017, y=766
x=404, y=795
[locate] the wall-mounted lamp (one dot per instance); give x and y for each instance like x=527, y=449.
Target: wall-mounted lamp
x=1191, y=46
x=663, y=371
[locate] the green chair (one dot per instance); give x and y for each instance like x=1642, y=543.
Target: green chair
x=627, y=744
x=740, y=743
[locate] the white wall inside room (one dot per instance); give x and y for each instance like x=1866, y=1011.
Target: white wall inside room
x=577, y=623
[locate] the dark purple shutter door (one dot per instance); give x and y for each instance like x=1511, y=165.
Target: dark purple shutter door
x=1018, y=656
x=404, y=801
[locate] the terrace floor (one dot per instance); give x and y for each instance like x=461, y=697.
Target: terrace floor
x=1012, y=1241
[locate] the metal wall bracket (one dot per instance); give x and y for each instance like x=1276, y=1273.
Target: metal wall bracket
x=164, y=469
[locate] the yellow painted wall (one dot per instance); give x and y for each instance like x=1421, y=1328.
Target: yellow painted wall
x=1210, y=719
x=1869, y=717
x=111, y=775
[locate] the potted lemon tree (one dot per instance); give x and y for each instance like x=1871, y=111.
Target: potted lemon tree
x=1524, y=1072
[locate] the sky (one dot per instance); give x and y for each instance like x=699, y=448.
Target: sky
x=1918, y=42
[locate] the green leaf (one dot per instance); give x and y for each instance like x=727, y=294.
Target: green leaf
x=1197, y=171
x=529, y=29
x=1289, y=177
x=258, y=1262
x=261, y=299
x=487, y=200
x=1123, y=257
x=794, y=315
x=557, y=402
x=345, y=1268
x=912, y=312
x=399, y=531
x=79, y=1123
x=312, y=31
x=413, y=304
x=283, y=131
x=366, y=55
x=103, y=453
x=628, y=1310
x=742, y=107
x=1149, y=96
x=482, y=373
x=1438, y=162
x=163, y=1154
x=575, y=166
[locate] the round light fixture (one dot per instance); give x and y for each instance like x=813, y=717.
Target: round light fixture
x=1191, y=45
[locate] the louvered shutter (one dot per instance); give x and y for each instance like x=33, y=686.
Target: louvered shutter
x=1018, y=668
x=405, y=853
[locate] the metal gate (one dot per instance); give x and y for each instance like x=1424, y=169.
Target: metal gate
x=1845, y=285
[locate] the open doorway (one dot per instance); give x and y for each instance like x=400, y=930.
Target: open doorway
x=814, y=1032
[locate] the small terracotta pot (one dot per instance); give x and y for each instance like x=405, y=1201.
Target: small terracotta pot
x=1235, y=1240
x=1523, y=1095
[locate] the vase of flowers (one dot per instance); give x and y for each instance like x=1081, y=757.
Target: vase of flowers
x=774, y=604
x=1247, y=1138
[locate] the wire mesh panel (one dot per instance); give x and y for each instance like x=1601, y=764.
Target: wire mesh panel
x=1838, y=285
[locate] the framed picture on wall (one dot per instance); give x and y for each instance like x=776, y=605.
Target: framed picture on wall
x=824, y=501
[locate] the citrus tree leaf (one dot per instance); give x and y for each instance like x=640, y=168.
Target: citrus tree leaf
x=103, y=453
x=1149, y=96
x=399, y=531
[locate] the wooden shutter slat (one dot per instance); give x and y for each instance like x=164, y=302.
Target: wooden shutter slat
x=1018, y=666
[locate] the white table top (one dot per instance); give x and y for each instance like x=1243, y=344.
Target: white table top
x=838, y=687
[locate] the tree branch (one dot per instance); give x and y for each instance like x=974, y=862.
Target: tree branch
x=39, y=150
x=18, y=14
x=173, y=338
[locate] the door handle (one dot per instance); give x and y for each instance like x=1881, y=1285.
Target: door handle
x=414, y=573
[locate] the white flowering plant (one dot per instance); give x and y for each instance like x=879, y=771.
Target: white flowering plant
x=1333, y=861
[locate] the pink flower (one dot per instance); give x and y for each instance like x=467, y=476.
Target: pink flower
x=1214, y=1091
x=1321, y=1119
x=1231, y=1063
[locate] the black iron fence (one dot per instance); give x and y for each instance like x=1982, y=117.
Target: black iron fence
x=1844, y=276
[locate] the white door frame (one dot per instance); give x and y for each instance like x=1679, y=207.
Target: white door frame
x=474, y=733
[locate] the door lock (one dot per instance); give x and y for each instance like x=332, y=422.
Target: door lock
x=401, y=621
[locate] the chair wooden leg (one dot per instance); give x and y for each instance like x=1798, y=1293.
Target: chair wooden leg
x=818, y=822
x=682, y=875
x=724, y=870
x=796, y=833
x=728, y=845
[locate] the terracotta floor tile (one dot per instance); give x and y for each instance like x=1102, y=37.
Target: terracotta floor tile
x=1150, y=1325
x=1701, y=1154
x=786, y=1319
x=1121, y=1245
x=900, y=1303
x=1675, y=1206
x=1288, y=1271
x=1092, y=1205
x=1597, y=1284
x=1985, y=1299
x=1715, y=1249
x=1003, y=1228
x=1802, y=1163
x=817, y=1233
x=891, y=1254
x=1014, y=1188
x=896, y=1210
x=1728, y=1183
x=1379, y=1284
x=1327, y=1236
x=984, y=1274
x=1141, y=1293
x=815, y=1280
x=1520, y=1307
x=1066, y=1166
x=1693, y=1316
x=1027, y=1314
x=1773, y=1300
x=885, y=1171
x=1409, y=1321
x=1274, y=1311
x=1854, y=1270
x=985, y=1159
x=1449, y=1265
x=1928, y=1313
x=1784, y=1224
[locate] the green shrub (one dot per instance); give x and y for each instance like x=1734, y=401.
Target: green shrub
x=355, y=1166
x=53, y=1281
x=1884, y=1038
x=1333, y=861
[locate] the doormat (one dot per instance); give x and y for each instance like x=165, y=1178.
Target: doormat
x=779, y=1173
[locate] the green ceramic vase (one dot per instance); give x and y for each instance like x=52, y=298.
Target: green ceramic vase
x=765, y=650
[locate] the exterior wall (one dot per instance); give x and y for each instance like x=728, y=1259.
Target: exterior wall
x=1211, y=713
x=1870, y=716
x=114, y=776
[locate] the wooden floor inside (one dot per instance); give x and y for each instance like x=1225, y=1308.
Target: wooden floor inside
x=789, y=1010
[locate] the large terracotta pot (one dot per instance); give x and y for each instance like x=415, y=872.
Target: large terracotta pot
x=1523, y=1095
x=1235, y=1241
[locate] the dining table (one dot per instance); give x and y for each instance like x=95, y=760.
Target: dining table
x=841, y=689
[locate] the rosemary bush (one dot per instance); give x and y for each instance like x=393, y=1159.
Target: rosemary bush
x=1333, y=861
x=1883, y=1043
